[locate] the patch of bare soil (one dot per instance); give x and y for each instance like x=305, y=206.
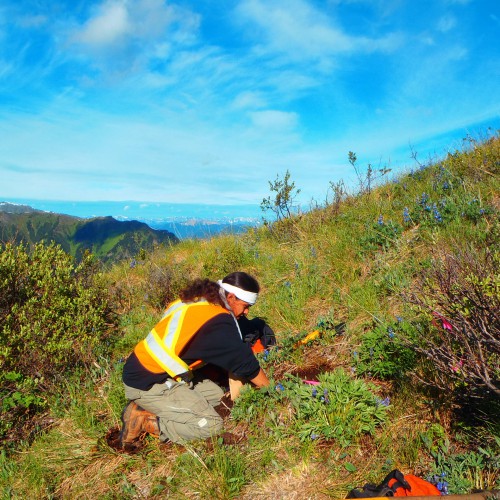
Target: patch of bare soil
x=224, y=407
x=315, y=364
x=113, y=439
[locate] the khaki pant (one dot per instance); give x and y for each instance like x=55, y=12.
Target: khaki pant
x=185, y=411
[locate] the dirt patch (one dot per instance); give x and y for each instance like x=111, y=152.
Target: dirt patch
x=224, y=407
x=316, y=360
x=315, y=365
x=113, y=440
x=310, y=372
x=367, y=445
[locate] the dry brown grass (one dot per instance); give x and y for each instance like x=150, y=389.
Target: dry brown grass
x=305, y=481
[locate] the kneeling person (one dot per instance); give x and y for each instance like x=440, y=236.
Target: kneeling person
x=200, y=328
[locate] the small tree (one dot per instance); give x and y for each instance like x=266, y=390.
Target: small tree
x=285, y=194
x=366, y=179
x=460, y=293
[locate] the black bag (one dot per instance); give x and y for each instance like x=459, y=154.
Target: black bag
x=255, y=329
x=395, y=484
x=371, y=490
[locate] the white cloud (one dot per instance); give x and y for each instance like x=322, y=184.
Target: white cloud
x=123, y=37
x=293, y=26
x=108, y=27
x=456, y=53
x=300, y=31
x=427, y=39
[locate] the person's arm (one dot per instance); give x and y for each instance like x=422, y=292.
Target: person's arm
x=261, y=379
x=235, y=384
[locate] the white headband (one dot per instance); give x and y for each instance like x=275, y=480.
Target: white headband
x=248, y=297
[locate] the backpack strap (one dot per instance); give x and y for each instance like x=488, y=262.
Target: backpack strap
x=394, y=480
x=370, y=490
x=387, y=488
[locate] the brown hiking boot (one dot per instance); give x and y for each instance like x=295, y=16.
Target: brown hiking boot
x=136, y=421
x=151, y=424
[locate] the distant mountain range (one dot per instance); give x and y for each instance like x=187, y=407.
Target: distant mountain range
x=106, y=237
x=184, y=220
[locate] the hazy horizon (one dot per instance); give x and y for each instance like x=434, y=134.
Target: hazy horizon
x=134, y=210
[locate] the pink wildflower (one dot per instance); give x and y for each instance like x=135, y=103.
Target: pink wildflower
x=311, y=382
x=447, y=325
x=444, y=322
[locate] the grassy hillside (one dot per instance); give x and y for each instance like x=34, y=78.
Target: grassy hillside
x=108, y=239
x=410, y=267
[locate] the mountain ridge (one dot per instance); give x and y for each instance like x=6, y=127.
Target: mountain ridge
x=109, y=239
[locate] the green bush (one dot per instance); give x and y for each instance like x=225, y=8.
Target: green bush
x=380, y=236
x=54, y=319
x=384, y=352
x=463, y=471
x=338, y=408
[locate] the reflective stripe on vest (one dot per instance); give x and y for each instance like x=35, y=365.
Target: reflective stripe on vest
x=167, y=359
x=163, y=350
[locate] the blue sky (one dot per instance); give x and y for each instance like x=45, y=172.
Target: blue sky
x=206, y=101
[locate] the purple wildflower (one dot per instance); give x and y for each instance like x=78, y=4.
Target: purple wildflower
x=406, y=215
x=326, y=398
x=437, y=215
x=423, y=199
x=383, y=402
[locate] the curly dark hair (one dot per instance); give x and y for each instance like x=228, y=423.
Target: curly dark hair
x=209, y=290
x=243, y=280
x=201, y=289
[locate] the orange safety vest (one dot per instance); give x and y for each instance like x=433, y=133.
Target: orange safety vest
x=159, y=351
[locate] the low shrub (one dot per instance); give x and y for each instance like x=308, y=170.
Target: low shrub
x=54, y=319
x=460, y=297
x=163, y=284
x=338, y=407
x=460, y=472
x=384, y=352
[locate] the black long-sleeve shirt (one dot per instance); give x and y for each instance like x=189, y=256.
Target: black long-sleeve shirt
x=217, y=342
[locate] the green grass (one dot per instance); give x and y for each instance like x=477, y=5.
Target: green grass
x=343, y=263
